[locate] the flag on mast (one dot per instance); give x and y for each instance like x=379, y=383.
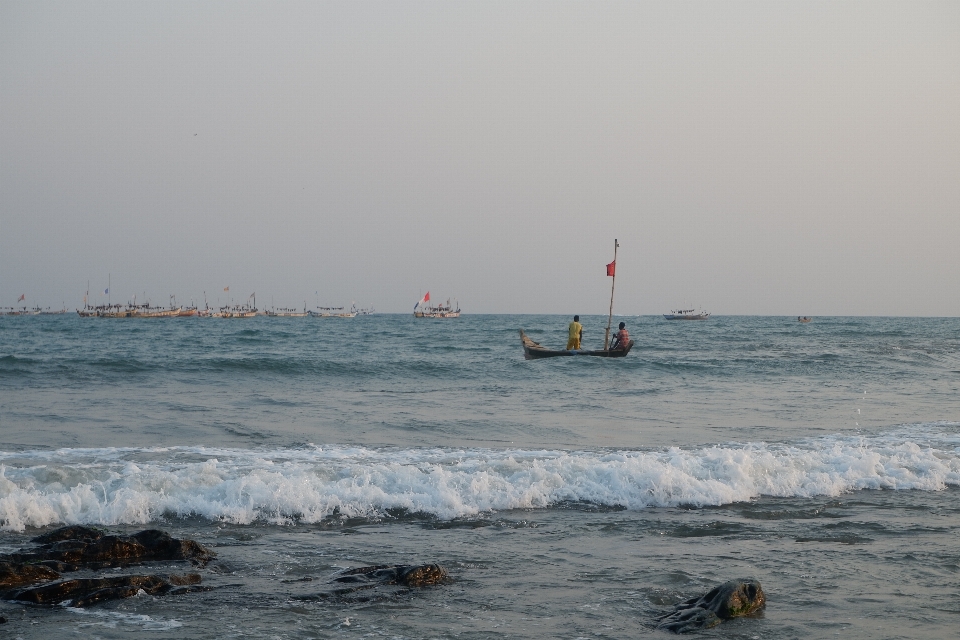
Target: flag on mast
x=612, y=268
x=425, y=298
x=23, y=296
x=226, y=288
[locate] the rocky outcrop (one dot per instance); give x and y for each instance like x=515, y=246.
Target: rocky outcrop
x=75, y=548
x=730, y=600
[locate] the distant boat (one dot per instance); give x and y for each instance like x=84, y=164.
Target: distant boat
x=284, y=312
x=422, y=310
x=534, y=350
x=333, y=312
x=236, y=311
x=804, y=319
x=686, y=314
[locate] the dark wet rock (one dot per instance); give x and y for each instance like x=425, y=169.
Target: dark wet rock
x=87, y=591
x=74, y=547
x=15, y=574
x=2, y=620
x=376, y=577
x=730, y=600
x=73, y=532
x=404, y=575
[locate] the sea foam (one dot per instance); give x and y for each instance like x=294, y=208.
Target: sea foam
x=307, y=484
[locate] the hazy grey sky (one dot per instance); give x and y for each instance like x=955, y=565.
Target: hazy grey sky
x=752, y=157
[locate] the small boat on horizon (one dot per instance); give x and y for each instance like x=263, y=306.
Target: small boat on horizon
x=804, y=319
x=686, y=314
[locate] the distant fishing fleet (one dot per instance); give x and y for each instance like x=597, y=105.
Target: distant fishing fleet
x=147, y=310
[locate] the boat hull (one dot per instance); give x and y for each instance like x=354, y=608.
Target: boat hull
x=534, y=351
x=699, y=316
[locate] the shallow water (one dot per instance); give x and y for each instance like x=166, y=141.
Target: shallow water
x=572, y=497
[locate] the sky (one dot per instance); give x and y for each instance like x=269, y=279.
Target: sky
x=774, y=158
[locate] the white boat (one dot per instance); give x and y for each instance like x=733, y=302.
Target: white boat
x=686, y=314
x=284, y=312
x=422, y=310
x=333, y=312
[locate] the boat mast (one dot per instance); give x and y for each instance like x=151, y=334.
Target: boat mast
x=606, y=335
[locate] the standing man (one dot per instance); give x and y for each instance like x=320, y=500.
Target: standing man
x=575, y=334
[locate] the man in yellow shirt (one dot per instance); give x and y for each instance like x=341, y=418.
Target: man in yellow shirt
x=575, y=334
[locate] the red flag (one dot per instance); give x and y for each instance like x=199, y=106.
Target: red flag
x=612, y=268
x=22, y=297
x=426, y=298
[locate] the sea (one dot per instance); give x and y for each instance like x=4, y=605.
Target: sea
x=567, y=498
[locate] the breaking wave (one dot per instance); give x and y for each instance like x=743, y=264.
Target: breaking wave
x=307, y=484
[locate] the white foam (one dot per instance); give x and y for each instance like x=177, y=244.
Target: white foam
x=137, y=486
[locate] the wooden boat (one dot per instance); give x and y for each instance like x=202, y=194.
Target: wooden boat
x=804, y=319
x=534, y=350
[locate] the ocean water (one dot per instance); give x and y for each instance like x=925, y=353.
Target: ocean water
x=568, y=498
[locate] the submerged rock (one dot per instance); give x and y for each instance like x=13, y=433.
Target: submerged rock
x=730, y=600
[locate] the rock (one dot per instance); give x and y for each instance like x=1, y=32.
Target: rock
x=88, y=591
x=14, y=574
x=730, y=600
x=73, y=547
x=76, y=547
x=404, y=575
x=364, y=578
x=73, y=532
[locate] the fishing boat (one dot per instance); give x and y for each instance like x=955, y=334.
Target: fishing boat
x=804, y=319
x=332, y=312
x=534, y=350
x=686, y=314
x=146, y=311
x=422, y=310
x=236, y=311
x=248, y=310
x=285, y=312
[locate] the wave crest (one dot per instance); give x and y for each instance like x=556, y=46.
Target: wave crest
x=308, y=484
